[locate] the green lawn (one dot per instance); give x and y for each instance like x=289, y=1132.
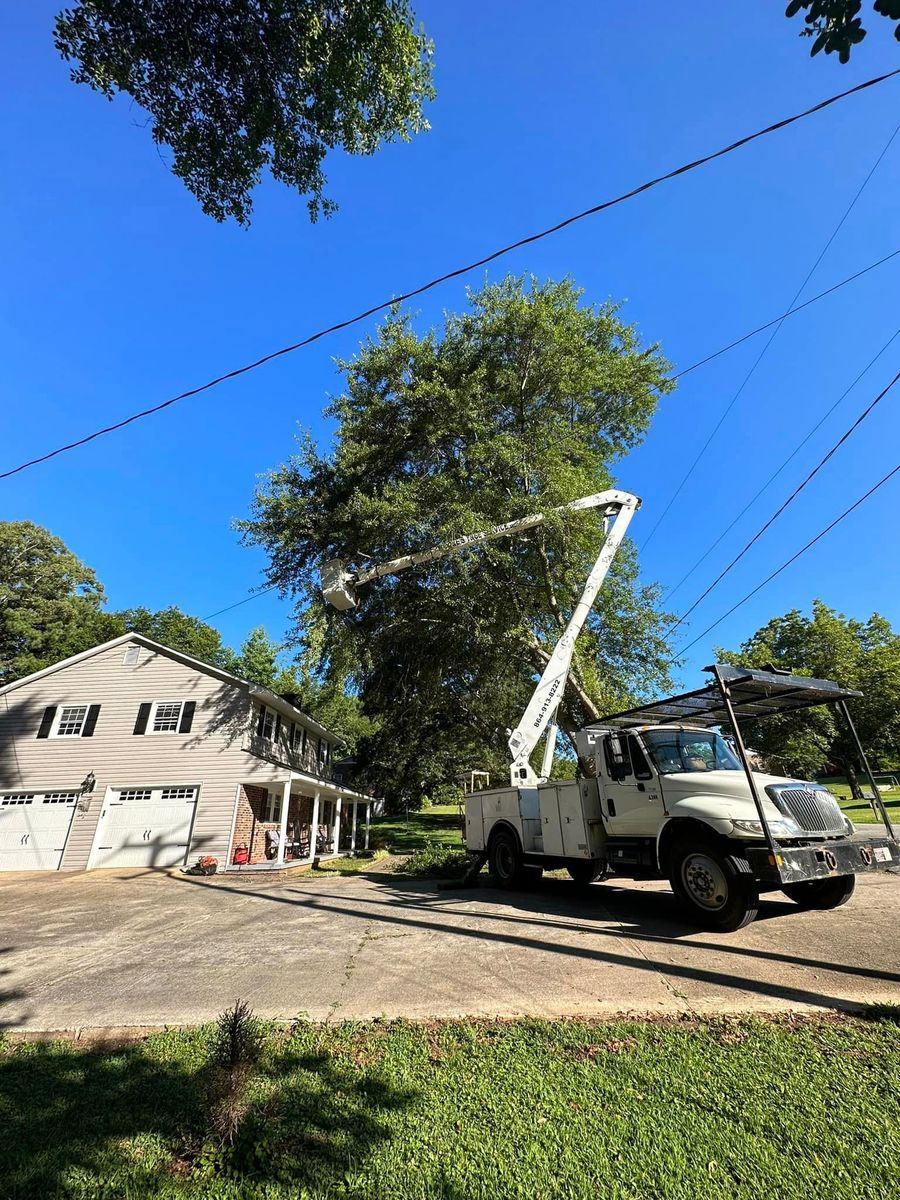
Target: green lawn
x=860, y=812
x=739, y=1109
x=442, y=823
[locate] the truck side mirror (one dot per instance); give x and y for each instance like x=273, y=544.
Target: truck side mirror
x=617, y=764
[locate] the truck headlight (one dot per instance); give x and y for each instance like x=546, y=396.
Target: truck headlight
x=849, y=827
x=779, y=827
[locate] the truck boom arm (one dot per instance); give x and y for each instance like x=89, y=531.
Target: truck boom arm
x=339, y=588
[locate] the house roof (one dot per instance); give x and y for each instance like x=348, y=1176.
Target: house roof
x=263, y=694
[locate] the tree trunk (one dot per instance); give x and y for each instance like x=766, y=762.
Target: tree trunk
x=850, y=771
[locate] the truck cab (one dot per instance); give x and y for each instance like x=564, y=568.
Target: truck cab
x=653, y=776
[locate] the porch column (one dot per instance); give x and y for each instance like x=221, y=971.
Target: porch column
x=368, y=818
x=285, y=805
x=353, y=829
x=314, y=826
x=336, y=829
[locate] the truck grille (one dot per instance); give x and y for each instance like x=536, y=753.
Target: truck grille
x=814, y=810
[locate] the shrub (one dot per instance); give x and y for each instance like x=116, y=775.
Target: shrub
x=435, y=861
x=236, y=1047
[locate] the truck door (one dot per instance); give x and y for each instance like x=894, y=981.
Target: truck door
x=633, y=795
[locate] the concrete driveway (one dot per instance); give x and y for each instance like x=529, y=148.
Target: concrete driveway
x=113, y=948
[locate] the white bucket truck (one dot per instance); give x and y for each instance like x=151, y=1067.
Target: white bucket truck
x=667, y=794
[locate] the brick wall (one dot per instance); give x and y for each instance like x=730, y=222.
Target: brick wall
x=250, y=827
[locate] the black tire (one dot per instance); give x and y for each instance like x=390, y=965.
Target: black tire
x=505, y=861
x=713, y=886
x=821, y=893
x=584, y=871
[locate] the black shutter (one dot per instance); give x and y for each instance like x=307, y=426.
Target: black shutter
x=140, y=725
x=187, y=716
x=90, y=721
x=261, y=722
x=277, y=733
x=47, y=721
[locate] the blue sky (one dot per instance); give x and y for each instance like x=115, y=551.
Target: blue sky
x=119, y=292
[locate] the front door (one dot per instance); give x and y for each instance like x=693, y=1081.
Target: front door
x=633, y=800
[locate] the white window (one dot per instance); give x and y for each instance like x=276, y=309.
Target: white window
x=70, y=720
x=132, y=656
x=178, y=793
x=135, y=795
x=266, y=725
x=272, y=807
x=60, y=797
x=11, y=798
x=166, y=715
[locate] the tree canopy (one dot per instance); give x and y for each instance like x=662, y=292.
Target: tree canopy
x=521, y=403
x=864, y=655
x=173, y=628
x=50, y=602
x=836, y=26
x=51, y=607
x=236, y=87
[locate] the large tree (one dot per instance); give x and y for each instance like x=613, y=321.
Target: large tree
x=50, y=602
x=864, y=655
x=523, y=402
x=836, y=26
x=234, y=87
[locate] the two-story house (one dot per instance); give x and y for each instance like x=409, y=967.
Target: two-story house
x=135, y=755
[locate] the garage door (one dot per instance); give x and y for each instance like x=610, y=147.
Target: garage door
x=33, y=829
x=145, y=827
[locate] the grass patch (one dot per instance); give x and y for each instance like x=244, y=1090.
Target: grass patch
x=442, y=824
x=351, y=865
x=745, y=1109
x=860, y=811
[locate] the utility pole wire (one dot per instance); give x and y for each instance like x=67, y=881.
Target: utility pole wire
x=835, y=287
x=425, y=287
x=793, y=454
x=792, y=559
x=774, y=334
x=787, y=503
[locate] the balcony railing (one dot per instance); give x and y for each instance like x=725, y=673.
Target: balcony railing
x=296, y=759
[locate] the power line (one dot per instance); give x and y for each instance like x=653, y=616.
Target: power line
x=425, y=287
x=835, y=287
x=793, y=496
x=792, y=559
x=238, y=603
x=774, y=334
x=793, y=454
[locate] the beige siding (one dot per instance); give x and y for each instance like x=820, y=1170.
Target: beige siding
x=211, y=757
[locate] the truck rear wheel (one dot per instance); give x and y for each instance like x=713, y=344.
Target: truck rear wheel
x=584, y=871
x=712, y=886
x=505, y=861
x=821, y=893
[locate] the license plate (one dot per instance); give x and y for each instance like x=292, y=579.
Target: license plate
x=881, y=853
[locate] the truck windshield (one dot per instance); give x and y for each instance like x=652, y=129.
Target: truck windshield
x=675, y=750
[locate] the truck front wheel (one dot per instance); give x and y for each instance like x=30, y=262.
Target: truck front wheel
x=712, y=886
x=821, y=893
